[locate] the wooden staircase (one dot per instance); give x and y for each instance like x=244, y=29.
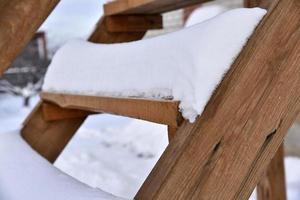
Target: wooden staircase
x=224, y=154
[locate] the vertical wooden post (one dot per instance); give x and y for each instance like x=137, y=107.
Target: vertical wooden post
x=272, y=186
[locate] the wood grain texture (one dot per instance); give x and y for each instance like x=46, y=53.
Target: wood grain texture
x=159, y=111
x=147, y=6
x=224, y=153
x=133, y=23
x=272, y=186
x=19, y=20
x=52, y=112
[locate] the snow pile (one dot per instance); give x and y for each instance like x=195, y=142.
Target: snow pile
x=186, y=65
x=26, y=175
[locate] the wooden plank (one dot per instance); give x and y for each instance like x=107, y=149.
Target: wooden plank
x=224, y=153
x=258, y=3
x=52, y=112
x=147, y=6
x=133, y=23
x=102, y=35
x=19, y=20
x=272, y=186
x=159, y=111
x=50, y=138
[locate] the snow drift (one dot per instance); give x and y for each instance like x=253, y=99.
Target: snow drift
x=186, y=65
x=26, y=175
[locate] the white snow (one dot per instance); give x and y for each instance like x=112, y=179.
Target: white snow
x=26, y=175
x=186, y=65
x=204, y=13
x=114, y=153
x=71, y=19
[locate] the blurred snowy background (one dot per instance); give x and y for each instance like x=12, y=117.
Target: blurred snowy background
x=114, y=153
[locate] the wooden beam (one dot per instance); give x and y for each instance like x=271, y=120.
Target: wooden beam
x=50, y=138
x=102, y=35
x=19, y=20
x=147, y=6
x=258, y=3
x=171, y=132
x=225, y=152
x=133, y=23
x=159, y=111
x=272, y=186
x=52, y=112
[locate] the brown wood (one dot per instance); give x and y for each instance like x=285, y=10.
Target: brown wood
x=19, y=20
x=52, y=112
x=102, y=35
x=159, y=111
x=147, y=6
x=133, y=23
x=171, y=132
x=257, y=3
x=272, y=186
x=49, y=138
x=224, y=153
x=298, y=119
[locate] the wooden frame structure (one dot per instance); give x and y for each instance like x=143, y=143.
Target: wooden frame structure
x=224, y=153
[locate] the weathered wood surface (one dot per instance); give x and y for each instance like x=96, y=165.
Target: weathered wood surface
x=225, y=152
x=50, y=138
x=52, y=112
x=19, y=20
x=159, y=111
x=133, y=23
x=272, y=186
x=147, y=6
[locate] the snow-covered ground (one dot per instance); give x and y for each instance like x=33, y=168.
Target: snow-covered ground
x=114, y=153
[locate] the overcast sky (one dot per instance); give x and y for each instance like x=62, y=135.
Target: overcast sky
x=72, y=19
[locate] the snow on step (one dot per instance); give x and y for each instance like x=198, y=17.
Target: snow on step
x=186, y=65
x=26, y=175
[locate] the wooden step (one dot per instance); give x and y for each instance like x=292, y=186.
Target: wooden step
x=158, y=111
x=122, y=7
